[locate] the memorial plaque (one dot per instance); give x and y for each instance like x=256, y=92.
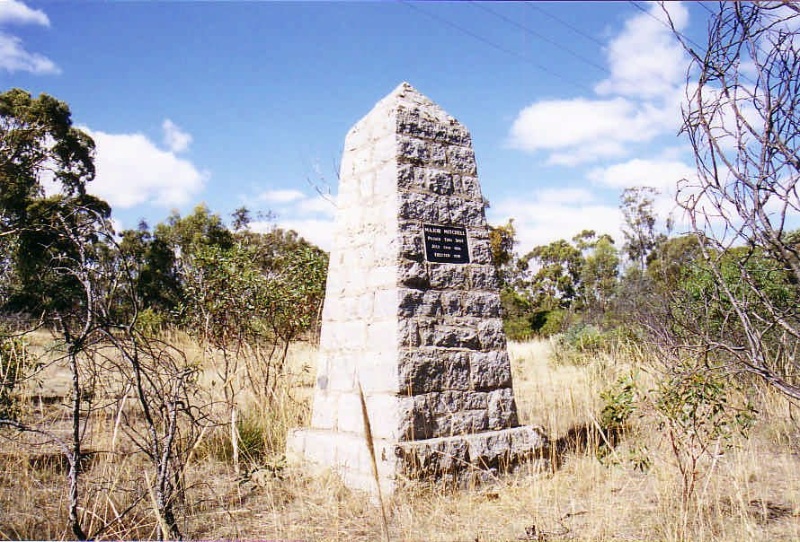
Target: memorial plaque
x=446, y=244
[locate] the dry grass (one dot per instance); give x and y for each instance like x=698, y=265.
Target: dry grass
x=753, y=492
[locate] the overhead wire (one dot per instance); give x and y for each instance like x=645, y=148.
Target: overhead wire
x=527, y=59
x=567, y=24
x=490, y=43
x=705, y=7
x=686, y=38
x=542, y=37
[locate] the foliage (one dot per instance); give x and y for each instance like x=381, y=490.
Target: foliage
x=701, y=410
x=742, y=118
x=554, y=283
x=39, y=147
x=560, y=283
x=598, y=274
x=38, y=143
x=517, y=320
x=619, y=403
x=581, y=343
x=502, y=240
x=636, y=204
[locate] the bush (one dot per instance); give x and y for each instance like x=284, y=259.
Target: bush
x=619, y=402
x=581, y=343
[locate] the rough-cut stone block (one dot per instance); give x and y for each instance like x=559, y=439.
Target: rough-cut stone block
x=482, y=305
x=412, y=150
x=412, y=312
x=325, y=410
x=413, y=275
x=426, y=370
x=340, y=371
x=470, y=187
x=491, y=334
x=440, y=182
x=409, y=334
x=490, y=370
x=382, y=332
x=483, y=277
x=410, y=177
x=378, y=372
x=502, y=410
x=414, y=206
x=488, y=454
x=447, y=277
x=468, y=213
x=481, y=254
x=350, y=413
x=461, y=160
x=410, y=242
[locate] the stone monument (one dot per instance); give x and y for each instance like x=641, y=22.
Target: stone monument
x=412, y=312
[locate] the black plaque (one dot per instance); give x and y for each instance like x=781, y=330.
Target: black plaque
x=446, y=244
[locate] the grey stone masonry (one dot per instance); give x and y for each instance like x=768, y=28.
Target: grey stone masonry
x=412, y=312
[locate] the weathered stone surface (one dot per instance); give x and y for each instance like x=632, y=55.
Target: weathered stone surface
x=422, y=340
x=425, y=370
x=490, y=370
x=488, y=454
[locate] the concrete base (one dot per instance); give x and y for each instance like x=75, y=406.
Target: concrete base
x=458, y=460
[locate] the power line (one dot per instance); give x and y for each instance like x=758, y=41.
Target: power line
x=492, y=44
x=565, y=23
x=705, y=7
x=664, y=23
x=542, y=37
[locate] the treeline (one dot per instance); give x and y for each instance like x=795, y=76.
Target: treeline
x=589, y=281
x=183, y=271
x=116, y=302
x=732, y=307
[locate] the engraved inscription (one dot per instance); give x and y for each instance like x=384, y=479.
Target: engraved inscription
x=445, y=244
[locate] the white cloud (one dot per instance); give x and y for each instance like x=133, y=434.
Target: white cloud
x=646, y=60
x=131, y=170
x=14, y=12
x=661, y=174
x=543, y=217
x=13, y=55
x=314, y=230
x=175, y=139
x=321, y=205
x=666, y=174
x=14, y=58
x=637, y=103
x=584, y=130
x=310, y=216
x=281, y=196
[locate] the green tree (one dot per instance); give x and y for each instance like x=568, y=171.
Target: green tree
x=38, y=144
x=187, y=234
x=39, y=147
x=742, y=119
x=502, y=240
x=555, y=282
x=639, y=216
x=599, y=276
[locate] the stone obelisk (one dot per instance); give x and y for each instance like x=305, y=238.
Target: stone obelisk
x=412, y=312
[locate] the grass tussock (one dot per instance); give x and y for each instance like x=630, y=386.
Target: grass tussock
x=615, y=474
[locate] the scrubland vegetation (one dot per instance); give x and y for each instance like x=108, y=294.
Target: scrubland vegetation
x=615, y=473
x=148, y=377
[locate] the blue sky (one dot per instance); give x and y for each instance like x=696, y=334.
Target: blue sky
x=248, y=103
